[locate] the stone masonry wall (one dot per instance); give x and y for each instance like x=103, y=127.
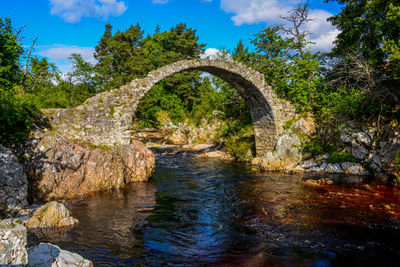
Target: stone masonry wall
x=105, y=119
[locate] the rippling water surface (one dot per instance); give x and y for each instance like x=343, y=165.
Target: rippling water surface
x=198, y=212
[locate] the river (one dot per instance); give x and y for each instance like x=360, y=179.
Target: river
x=205, y=212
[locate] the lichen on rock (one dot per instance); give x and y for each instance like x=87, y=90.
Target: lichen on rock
x=52, y=214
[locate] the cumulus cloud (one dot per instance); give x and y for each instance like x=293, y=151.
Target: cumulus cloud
x=59, y=55
x=73, y=10
x=214, y=53
x=256, y=11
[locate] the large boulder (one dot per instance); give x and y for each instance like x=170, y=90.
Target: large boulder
x=13, y=184
x=286, y=155
x=52, y=214
x=13, y=241
x=46, y=254
x=62, y=169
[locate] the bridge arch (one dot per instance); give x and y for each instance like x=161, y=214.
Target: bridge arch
x=105, y=119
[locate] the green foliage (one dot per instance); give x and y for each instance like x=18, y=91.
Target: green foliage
x=238, y=148
x=286, y=62
x=397, y=165
x=367, y=55
x=155, y=101
x=315, y=147
x=339, y=157
x=10, y=51
x=16, y=118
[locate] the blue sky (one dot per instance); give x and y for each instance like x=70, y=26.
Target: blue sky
x=69, y=26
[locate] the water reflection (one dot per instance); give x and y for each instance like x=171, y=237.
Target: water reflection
x=208, y=212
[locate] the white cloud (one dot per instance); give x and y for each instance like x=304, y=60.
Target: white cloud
x=211, y=53
x=269, y=11
x=167, y=1
x=73, y=10
x=214, y=53
x=59, y=54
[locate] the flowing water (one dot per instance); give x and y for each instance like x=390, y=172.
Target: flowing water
x=203, y=212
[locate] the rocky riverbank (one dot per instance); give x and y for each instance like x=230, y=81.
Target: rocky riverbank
x=20, y=246
x=361, y=150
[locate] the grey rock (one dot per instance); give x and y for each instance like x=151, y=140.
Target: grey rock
x=308, y=164
x=13, y=241
x=288, y=147
x=345, y=135
x=359, y=152
x=323, y=166
x=353, y=168
x=333, y=168
x=46, y=254
x=363, y=138
x=302, y=126
x=13, y=184
x=375, y=162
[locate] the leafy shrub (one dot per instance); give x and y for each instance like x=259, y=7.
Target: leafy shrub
x=397, y=166
x=16, y=118
x=314, y=147
x=339, y=157
x=238, y=148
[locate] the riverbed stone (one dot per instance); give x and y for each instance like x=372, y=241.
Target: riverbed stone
x=46, y=254
x=13, y=184
x=13, y=241
x=53, y=214
x=217, y=154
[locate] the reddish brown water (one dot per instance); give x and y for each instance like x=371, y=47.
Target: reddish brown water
x=199, y=212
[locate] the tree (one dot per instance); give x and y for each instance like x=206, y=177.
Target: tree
x=366, y=55
x=283, y=56
x=10, y=51
x=83, y=73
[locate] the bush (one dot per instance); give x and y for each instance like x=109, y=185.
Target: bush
x=397, y=166
x=339, y=157
x=314, y=147
x=238, y=148
x=16, y=118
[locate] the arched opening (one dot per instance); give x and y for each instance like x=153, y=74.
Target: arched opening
x=246, y=82
x=106, y=118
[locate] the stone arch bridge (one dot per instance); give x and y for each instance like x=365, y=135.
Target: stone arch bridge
x=105, y=119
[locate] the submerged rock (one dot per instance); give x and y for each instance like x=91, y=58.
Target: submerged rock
x=62, y=169
x=52, y=214
x=218, y=154
x=13, y=184
x=13, y=241
x=46, y=254
x=317, y=183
